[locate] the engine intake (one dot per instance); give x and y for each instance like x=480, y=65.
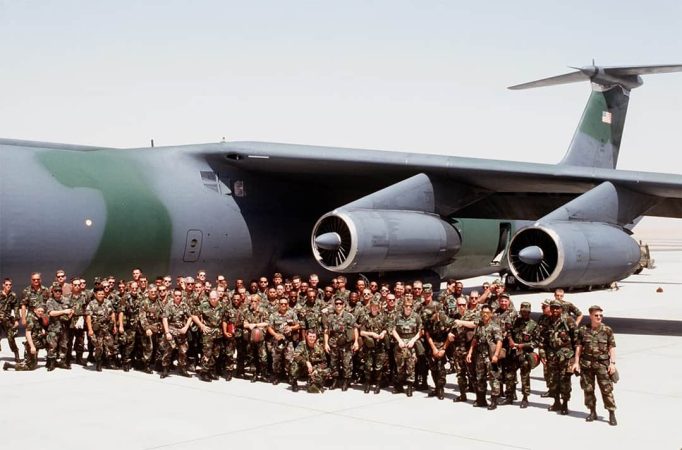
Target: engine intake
x=369, y=240
x=559, y=254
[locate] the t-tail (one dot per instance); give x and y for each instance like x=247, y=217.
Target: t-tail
x=597, y=139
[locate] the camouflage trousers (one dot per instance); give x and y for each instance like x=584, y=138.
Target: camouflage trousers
x=437, y=366
x=486, y=371
x=282, y=354
x=126, y=344
x=30, y=361
x=465, y=370
x=341, y=358
x=103, y=342
x=589, y=371
x=508, y=367
x=150, y=346
x=374, y=358
x=259, y=355
x=167, y=347
x=57, y=341
x=229, y=348
x=559, y=379
x=7, y=326
x=211, y=342
x=77, y=340
x=405, y=361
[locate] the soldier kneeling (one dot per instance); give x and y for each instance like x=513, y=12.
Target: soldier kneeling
x=311, y=355
x=36, y=335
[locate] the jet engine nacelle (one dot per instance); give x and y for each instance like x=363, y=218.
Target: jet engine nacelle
x=560, y=254
x=370, y=240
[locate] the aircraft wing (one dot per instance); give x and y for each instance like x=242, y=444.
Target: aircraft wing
x=487, y=188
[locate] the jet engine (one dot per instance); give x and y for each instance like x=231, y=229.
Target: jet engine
x=371, y=240
x=559, y=254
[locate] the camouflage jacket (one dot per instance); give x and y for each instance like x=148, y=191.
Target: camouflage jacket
x=316, y=355
x=234, y=316
x=570, y=309
x=8, y=304
x=279, y=321
x=59, y=322
x=407, y=327
x=487, y=336
x=376, y=324
x=505, y=319
x=310, y=316
x=524, y=332
x=176, y=315
x=211, y=316
x=100, y=314
x=340, y=328
x=30, y=297
x=595, y=344
x=130, y=307
x=439, y=326
x=559, y=338
x=37, y=327
x=464, y=335
x=426, y=312
x=79, y=302
x=150, y=312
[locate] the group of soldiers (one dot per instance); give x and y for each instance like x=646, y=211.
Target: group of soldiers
x=289, y=329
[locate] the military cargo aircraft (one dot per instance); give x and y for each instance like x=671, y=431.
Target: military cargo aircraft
x=250, y=208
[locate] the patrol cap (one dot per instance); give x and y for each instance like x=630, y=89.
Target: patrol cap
x=428, y=287
x=555, y=304
x=595, y=308
x=546, y=302
x=504, y=295
x=525, y=305
x=497, y=282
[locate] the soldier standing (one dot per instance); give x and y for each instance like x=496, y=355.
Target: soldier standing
x=522, y=343
x=151, y=327
x=463, y=333
x=340, y=341
x=485, y=351
x=101, y=320
x=505, y=316
x=543, y=324
x=406, y=331
x=232, y=327
x=176, y=319
x=79, y=301
x=60, y=313
x=33, y=295
x=256, y=320
x=128, y=324
x=374, y=328
x=208, y=317
x=282, y=325
x=8, y=316
x=426, y=306
x=559, y=345
x=437, y=332
x=595, y=358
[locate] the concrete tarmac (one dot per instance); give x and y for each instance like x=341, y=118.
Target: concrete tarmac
x=83, y=409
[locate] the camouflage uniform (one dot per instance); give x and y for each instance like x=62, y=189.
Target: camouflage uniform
x=505, y=319
x=405, y=358
x=317, y=357
x=559, y=345
x=282, y=351
x=340, y=329
x=58, y=331
x=310, y=316
x=130, y=307
x=38, y=329
x=212, y=318
x=30, y=298
x=594, y=364
x=257, y=350
x=540, y=331
x=8, y=320
x=466, y=373
x=523, y=333
x=77, y=335
x=422, y=348
x=177, y=316
x=486, y=337
x=150, y=313
x=375, y=351
x=234, y=319
x=102, y=327
x=438, y=329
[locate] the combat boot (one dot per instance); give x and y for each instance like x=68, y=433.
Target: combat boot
x=294, y=385
x=334, y=385
x=274, y=379
x=508, y=400
x=147, y=368
x=16, y=356
x=593, y=415
x=127, y=365
x=51, y=364
x=493, y=403
x=164, y=373
x=79, y=358
x=461, y=398
x=556, y=406
x=524, y=402
x=228, y=375
x=480, y=400
x=183, y=372
x=440, y=392
x=366, y=386
x=398, y=388
x=64, y=364
x=564, y=408
x=422, y=385
x=377, y=387
x=254, y=377
x=214, y=376
x=91, y=358
x=6, y=366
x=203, y=376
x=409, y=390
x=612, y=418
x=98, y=365
x=344, y=386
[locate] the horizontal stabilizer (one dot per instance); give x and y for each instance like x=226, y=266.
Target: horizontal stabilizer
x=625, y=76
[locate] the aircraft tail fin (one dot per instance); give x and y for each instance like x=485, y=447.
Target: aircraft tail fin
x=596, y=142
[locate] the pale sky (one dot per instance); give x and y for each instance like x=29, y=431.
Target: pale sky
x=421, y=76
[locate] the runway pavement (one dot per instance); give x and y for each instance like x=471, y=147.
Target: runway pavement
x=83, y=409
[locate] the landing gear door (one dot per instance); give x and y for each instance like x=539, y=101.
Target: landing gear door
x=193, y=246
x=505, y=235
